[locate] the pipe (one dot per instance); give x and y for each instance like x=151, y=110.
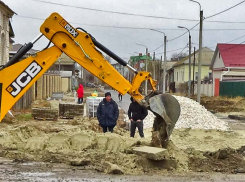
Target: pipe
x=221, y=76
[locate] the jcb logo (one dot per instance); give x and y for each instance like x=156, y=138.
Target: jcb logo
x=24, y=78
x=69, y=28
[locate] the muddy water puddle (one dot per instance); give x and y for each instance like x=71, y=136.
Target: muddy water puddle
x=49, y=172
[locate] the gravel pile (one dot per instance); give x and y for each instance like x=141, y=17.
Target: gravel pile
x=192, y=115
x=148, y=121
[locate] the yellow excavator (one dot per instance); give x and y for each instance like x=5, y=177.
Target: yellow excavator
x=16, y=76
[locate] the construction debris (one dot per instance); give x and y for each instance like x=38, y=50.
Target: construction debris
x=70, y=110
x=152, y=153
x=45, y=113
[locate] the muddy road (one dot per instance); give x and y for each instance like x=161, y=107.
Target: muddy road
x=52, y=172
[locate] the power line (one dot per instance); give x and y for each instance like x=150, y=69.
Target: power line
x=236, y=38
x=107, y=26
x=217, y=21
x=228, y=41
x=232, y=46
x=139, y=28
x=224, y=10
x=170, y=50
x=116, y=12
x=148, y=16
x=183, y=33
x=182, y=50
x=157, y=48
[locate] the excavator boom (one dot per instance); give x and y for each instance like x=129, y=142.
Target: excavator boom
x=85, y=50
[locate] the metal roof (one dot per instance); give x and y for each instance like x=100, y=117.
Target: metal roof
x=232, y=55
x=207, y=55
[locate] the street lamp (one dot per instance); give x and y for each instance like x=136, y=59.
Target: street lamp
x=189, y=81
x=199, y=54
x=145, y=65
x=164, y=59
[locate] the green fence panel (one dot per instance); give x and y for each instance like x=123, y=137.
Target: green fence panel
x=232, y=89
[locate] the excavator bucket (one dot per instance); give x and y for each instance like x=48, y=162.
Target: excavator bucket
x=167, y=111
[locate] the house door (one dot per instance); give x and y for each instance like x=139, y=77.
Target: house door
x=216, y=88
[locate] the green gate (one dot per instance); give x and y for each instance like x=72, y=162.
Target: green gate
x=232, y=89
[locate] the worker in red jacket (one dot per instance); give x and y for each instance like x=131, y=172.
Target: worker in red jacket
x=80, y=94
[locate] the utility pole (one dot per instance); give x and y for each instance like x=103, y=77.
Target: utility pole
x=193, y=86
x=146, y=69
x=146, y=62
x=189, y=81
x=199, y=54
x=200, y=59
x=160, y=76
x=154, y=66
x=165, y=59
x=164, y=67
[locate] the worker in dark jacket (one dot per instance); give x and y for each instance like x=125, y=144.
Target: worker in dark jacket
x=107, y=113
x=136, y=114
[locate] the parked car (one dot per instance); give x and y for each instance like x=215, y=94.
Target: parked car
x=89, y=85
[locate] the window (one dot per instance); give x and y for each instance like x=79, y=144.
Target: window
x=196, y=76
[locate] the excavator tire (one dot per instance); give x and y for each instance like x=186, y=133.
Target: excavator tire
x=167, y=111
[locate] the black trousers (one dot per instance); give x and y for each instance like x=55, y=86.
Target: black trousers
x=139, y=125
x=80, y=100
x=108, y=128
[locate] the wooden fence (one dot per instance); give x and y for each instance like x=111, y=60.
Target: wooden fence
x=25, y=101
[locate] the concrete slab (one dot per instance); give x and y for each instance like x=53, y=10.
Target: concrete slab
x=152, y=153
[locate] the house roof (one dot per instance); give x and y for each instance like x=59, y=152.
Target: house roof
x=64, y=60
x=207, y=55
x=9, y=11
x=16, y=47
x=232, y=55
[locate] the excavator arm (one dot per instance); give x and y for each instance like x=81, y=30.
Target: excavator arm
x=16, y=77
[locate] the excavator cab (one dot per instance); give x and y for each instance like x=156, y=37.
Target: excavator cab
x=16, y=77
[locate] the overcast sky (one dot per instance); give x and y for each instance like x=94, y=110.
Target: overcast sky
x=122, y=40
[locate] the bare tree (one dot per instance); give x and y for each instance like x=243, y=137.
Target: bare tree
x=179, y=55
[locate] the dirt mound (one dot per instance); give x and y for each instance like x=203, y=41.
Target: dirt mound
x=70, y=141
x=226, y=160
x=223, y=104
x=220, y=105
x=240, y=104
